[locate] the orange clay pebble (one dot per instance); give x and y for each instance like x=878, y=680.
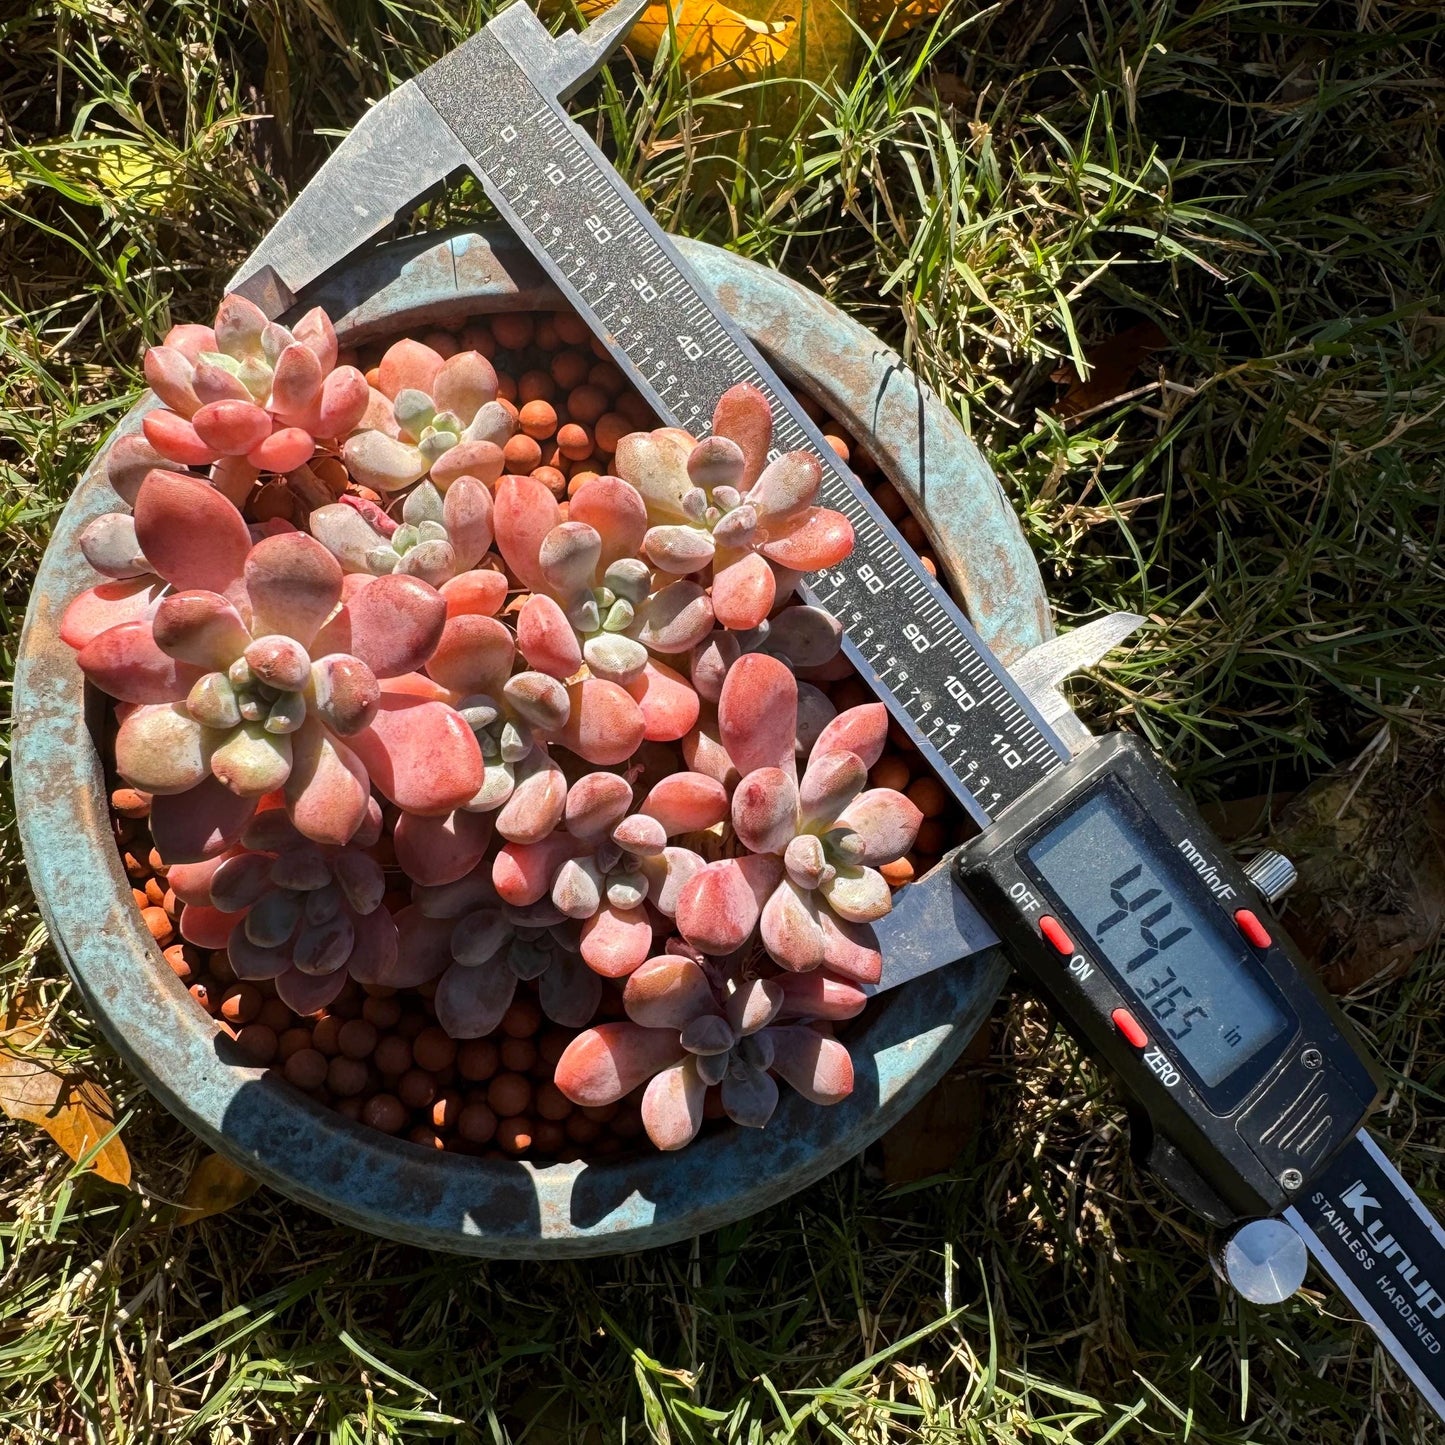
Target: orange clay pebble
x=476, y=1123
x=427, y=1137
x=240, y=1003
x=552, y=1103
x=601, y=1113
x=513, y=329
x=574, y=442
x=131, y=802
x=897, y=873
x=519, y=1055
x=535, y=386
x=442, y=342
x=134, y=868
x=292, y=1041
x=349, y=1108
x=552, y=1045
x=373, y=377
x=385, y=1112
x=587, y=404
x=580, y=478
x=899, y=738
x=913, y=532
x=635, y=408
x=628, y=1124
x=507, y=389
x=929, y=796
x=357, y=1038
x=522, y=1020
x=445, y=1108
x=204, y=995
x=220, y=966
x=306, y=1068
x=932, y=836
x=393, y=1055
x=851, y=692
x=571, y=328
x=154, y=894
x=890, y=772
x=611, y=427
x=411, y=1024
x=929, y=564
x=479, y=338
x=889, y=502
x=538, y=419
x=345, y=1077
x=326, y=1035
x=416, y=1089
x=545, y=337
x=181, y=966
x=552, y=479
x=547, y=1137
x=140, y=898
x=383, y=1012
x=258, y=1043
x=569, y=369
x=509, y=1094
x=158, y=864
x=169, y=902
x=606, y=377
x=838, y=444
x=477, y=1060
x=275, y=1015
x=159, y=923
x=521, y=454
x=515, y=1135
x=433, y=1049
x=581, y=1129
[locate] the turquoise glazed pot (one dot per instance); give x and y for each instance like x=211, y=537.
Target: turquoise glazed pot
x=388, y=1186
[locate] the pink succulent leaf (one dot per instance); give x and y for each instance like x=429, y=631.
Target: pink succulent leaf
x=128, y=461
x=324, y=946
x=207, y=927
x=523, y=872
x=340, y=407
x=609, y=1060
x=239, y=327
x=327, y=790
x=481, y=935
x=804, y=636
x=749, y=1094
x=568, y=557
x=191, y=882
x=98, y=609
x=830, y=783
x=679, y=548
x=287, y=449
x=578, y=887
x=162, y=749
x=815, y=712
x=293, y=584
x=420, y=754
x=295, y=383
x=467, y=516
x=213, y=382
x=614, y=509
x=474, y=654
x=743, y=592
x=359, y=878
x=596, y=804
x=656, y=465
x=344, y=693
x=453, y=900
x=190, y=534
x=703, y=752
x=382, y=462
x=229, y=428
x=536, y=804
x=466, y=382
x=251, y=962
x=481, y=592
x=409, y=366
x=743, y=416
x=672, y=1105
x=200, y=628
x=686, y=802
x=818, y=538
x=251, y=761
x=710, y=661
x=435, y=850
x=351, y=531
x=755, y=1004
x=862, y=730
x=616, y=940
x=236, y=882
x=315, y=331
x=642, y=836
x=667, y=873
x=604, y=725
x=424, y=950
x=523, y=512
x=374, y=952
x=851, y=949
x=886, y=821
x=668, y=992
x=669, y=706
x=791, y=930
x=569, y=992
x=190, y=339
x=546, y=638
x=718, y=908
x=673, y=620
x=208, y=819
x=125, y=663
x=479, y=459
x=787, y=488
x=765, y=810
x=470, y=1002
x=170, y=374
x=309, y=993
x=818, y=995
x=536, y=701
x=859, y=895
x=814, y=1063
x=717, y=461
x=757, y=713
x=176, y=439
x=393, y=625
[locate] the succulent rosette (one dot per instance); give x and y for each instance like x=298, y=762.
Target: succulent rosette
x=690, y=1029
x=430, y=415
x=722, y=505
x=287, y=909
x=250, y=675
x=248, y=392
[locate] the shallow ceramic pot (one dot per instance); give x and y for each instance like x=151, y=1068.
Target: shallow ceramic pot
x=388, y=1186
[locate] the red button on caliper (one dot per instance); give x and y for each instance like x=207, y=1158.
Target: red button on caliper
x=1129, y=1026
x=1250, y=926
x=1053, y=930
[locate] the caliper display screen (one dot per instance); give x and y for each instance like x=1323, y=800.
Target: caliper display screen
x=1139, y=903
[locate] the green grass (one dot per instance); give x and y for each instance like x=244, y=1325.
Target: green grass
x=996, y=197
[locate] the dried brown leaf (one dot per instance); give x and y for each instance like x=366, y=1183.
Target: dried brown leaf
x=215, y=1186
x=1112, y=364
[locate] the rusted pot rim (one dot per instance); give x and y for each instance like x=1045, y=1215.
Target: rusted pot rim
x=386, y=1185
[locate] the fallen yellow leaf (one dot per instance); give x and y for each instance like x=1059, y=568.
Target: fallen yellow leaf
x=75, y=1111
x=215, y=1186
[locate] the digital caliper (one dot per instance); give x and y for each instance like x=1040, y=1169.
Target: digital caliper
x=1247, y=1088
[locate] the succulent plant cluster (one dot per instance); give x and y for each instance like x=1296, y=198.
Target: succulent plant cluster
x=457, y=734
